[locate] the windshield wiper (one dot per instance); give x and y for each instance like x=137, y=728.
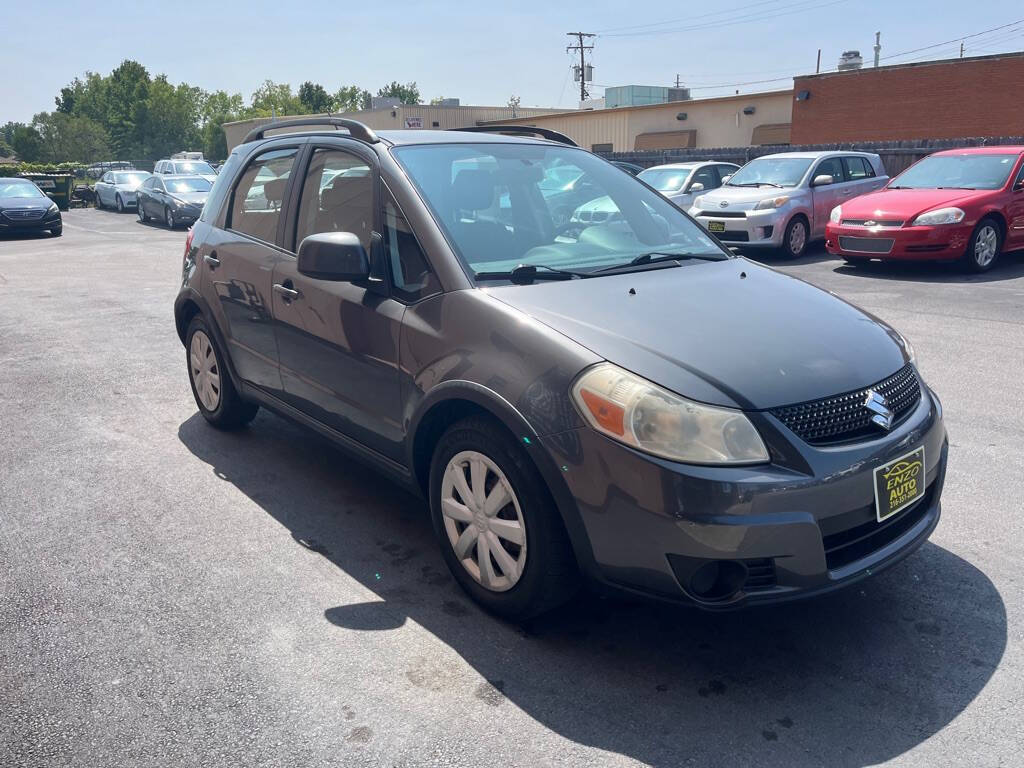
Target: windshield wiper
x=524, y=274
x=656, y=257
x=769, y=184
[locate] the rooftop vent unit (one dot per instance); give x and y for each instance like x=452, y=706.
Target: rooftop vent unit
x=678, y=94
x=850, y=60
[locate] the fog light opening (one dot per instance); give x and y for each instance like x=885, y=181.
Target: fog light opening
x=717, y=580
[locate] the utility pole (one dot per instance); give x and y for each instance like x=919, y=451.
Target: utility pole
x=961, y=49
x=817, y=68
x=678, y=84
x=878, y=46
x=582, y=66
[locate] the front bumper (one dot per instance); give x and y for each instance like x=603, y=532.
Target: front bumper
x=945, y=242
x=802, y=525
x=750, y=229
x=186, y=214
x=48, y=221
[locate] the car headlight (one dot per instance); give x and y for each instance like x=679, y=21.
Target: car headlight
x=53, y=208
x=836, y=215
x=940, y=216
x=771, y=203
x=640, y=414
x=698, y=202
x=179, y=203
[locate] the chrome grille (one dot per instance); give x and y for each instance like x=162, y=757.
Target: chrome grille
x=843, y=417
x=24, y=214
x=873, y=223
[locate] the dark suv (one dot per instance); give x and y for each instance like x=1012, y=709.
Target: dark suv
x=617, y=397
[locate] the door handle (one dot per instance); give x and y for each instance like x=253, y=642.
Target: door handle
x=286, y=292
x=212, y=260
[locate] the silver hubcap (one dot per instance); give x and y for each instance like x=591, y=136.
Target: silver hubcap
x=797, y=238
x=985, y=246
x=483, y=521
x=204, y=370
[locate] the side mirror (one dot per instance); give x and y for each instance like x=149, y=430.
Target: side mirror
x=696, y=187
x=726, y=177
x=1019, y=186
x=822, y=181
x=336, y=256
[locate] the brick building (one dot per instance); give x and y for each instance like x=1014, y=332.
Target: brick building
x=946, y=99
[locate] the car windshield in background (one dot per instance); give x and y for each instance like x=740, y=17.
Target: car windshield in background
x=666, y=179
x=130, y=178
x=491, y=202
x=19, y=188
x=957, y=172
x=187, y=185
x=771, y=172
x=194, y=166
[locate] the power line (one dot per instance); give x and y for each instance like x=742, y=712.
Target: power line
x=955, y=40
x=686, y=18
x=802, y=6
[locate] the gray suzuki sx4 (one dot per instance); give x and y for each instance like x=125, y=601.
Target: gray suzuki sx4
x=581, y=381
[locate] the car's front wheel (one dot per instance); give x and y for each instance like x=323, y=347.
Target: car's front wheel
x=120, y=204
x=215, y=395
x=57, y=231
x=140, y=211
x=984, y=246
x=500, y=532
x=794, y=241
x=169, y=218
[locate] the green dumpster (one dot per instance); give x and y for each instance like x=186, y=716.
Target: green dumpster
x=57, y=186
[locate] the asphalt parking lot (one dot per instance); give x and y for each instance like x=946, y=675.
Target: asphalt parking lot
x=172, y=595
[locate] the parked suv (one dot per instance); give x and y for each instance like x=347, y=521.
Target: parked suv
x=624, y=401
x=186, y=168
x=784, y=200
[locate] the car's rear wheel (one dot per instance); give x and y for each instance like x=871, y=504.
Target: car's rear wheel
x=215, y=395
x=794, y=241
x=984, y=246
x=119, y=203
x=500, y=532
x=169, y=218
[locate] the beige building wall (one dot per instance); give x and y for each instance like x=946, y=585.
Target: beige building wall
x=413, y=116
x=718, y=122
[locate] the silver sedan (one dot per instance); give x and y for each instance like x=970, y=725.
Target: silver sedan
x=117, y=189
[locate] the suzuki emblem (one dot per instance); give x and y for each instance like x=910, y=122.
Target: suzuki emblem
x=882, y=415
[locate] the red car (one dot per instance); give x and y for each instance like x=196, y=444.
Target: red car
x=963, y=204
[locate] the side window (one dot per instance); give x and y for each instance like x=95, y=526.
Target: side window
x=411, y=276
x=148, y=183
x=707, y=177
x=1020, y=177
x=106, y=178
x=725, y=170
x=337, y=196
x=259, y=193
x=857, y=168
x=158, y=185
x=830, y=167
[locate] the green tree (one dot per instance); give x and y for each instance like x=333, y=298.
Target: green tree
x=127, y=95
x=277, y=98
x=216, y=109
x=351, y=98
x=407, y=94
x=315, y=98
x=66, y=138
x=172, y=118
x=27, y=143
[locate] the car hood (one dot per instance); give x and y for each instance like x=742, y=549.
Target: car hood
x=905, y=204
x=741, y=198
x=25, y=202
x=730, y=333
x=194, y=198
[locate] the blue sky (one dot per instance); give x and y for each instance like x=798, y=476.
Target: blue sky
x=481, y=52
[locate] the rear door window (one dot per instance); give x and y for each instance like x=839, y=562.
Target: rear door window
x=857, y=168
x=259, y=194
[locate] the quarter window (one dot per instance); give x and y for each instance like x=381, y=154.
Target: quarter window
x=411, y=276
x=337, y=196
x=258, y=196
x=857, y=168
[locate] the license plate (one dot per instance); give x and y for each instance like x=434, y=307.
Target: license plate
x=716, y=226
x=899, y=484
x=46, y=184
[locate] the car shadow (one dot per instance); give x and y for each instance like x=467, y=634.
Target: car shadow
x=44, y=235
x=855, y=678
x=1010, y=266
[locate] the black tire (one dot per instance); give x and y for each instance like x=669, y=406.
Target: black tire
x=550, y=576
x=119, y=203
x=57, y=231
x=99, y=202
x=169, y=218
x=988, y=228
x=787, y=249
x=141, y=212
x=232, y=412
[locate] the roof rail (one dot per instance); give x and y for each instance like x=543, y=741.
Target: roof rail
x=525, y=130
x=356, y=129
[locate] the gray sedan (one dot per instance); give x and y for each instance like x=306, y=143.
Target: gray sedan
x=117, y=189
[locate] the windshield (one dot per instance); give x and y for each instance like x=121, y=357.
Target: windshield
x=19, y=188
x=134, y=179
x=957, y=171
x=187, y=185
x=194, y=166
x=771, y=171
x=489, y=200
x=666, y=179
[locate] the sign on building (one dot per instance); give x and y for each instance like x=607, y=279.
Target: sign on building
x=414, y=122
